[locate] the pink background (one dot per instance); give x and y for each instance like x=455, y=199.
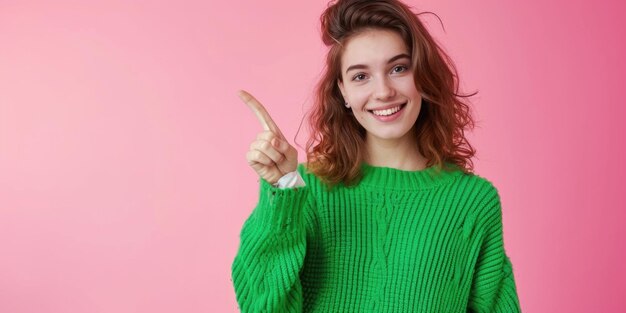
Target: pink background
x=123, y=179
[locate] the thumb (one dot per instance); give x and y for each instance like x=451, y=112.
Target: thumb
x=280, y=145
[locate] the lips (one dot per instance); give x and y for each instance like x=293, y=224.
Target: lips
x=388, y=107
x=389, y=110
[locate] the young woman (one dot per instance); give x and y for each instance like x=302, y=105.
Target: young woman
x=386, y=215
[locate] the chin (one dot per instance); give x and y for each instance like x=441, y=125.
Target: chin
x=389, y=136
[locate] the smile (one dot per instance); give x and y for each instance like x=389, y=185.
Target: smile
x=387, y=111
x=388, y=114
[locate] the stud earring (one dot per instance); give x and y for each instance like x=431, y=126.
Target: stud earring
x=347, y=105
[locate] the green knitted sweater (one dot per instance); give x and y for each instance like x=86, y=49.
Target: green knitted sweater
x=399, y=241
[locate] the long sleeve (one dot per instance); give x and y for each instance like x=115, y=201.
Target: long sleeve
x=290, y=180
x=493, y=287
x=271, y=253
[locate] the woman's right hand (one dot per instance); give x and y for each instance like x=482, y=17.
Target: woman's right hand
x=270, y=155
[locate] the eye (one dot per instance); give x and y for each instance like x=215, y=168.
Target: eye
x=358, y=77
x=400, y=69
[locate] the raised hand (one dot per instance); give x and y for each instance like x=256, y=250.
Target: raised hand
x=270, y=155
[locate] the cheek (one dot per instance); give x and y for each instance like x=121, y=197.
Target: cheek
x=408, y=86
x=357, y=97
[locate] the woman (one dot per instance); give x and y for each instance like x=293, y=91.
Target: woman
x=386, y=215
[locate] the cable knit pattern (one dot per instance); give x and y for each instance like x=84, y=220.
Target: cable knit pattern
x=399, y=241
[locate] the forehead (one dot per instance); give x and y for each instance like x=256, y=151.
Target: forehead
x=372, y=47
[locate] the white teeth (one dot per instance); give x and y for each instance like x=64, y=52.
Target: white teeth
x=387, y=111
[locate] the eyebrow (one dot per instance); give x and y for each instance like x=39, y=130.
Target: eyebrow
x=362, y=66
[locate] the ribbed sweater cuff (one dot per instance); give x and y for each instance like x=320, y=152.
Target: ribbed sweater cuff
x=280, y=210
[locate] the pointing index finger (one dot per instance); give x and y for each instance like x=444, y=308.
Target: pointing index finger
x=260, y=112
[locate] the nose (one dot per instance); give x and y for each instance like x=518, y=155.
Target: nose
x=383, y=89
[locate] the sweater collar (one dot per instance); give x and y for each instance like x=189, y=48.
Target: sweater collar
x=392, y=178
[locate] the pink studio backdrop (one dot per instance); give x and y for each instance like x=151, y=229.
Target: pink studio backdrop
x=123, y=179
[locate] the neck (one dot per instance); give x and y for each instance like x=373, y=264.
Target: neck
x=400, y=153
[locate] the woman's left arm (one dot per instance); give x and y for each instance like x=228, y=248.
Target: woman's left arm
x=493, y=286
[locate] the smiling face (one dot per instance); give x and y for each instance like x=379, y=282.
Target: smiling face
x=377, y=74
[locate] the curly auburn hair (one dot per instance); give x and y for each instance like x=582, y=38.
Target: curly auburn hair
x=335, y=148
